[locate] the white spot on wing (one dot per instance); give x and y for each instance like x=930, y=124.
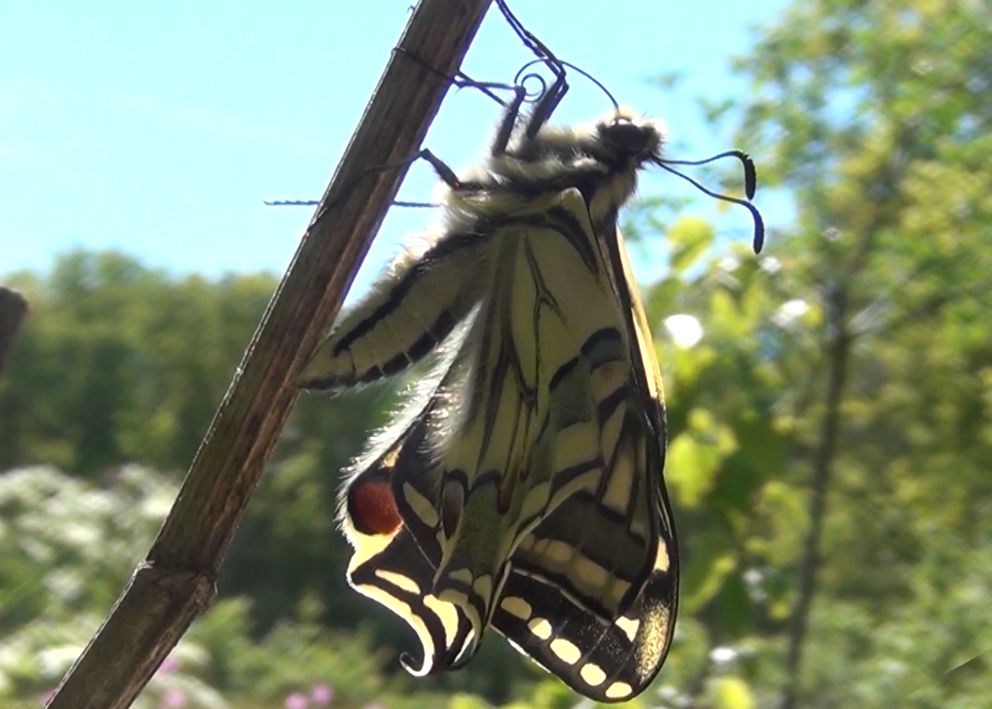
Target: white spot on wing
x=618, y=588
x=559, y=552
x=517, y=607
x=592, y=576
x=483, y=585
x=592, y=674
x=628, y=626
x=619, y=690
x=566, y=650
x=617, y=493
x=661, y=561
x=576, y=444
x=536, y=500
x=462, y=575
x=540, y=627
x=420, y=505
x=446, y=613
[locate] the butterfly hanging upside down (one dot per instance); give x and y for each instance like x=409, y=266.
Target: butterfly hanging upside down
x=522, y=487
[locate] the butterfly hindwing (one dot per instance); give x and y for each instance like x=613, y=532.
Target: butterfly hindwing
x=388, y=565
x=605, y=659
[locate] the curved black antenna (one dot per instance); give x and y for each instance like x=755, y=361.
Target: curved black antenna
x=759, y=224
x=750, y=174
x=583, y=72
x=552, y=96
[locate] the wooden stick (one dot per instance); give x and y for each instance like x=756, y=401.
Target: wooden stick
x=175, y=583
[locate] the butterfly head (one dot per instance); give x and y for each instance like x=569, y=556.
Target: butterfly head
x=622, y=138
x=620, y=141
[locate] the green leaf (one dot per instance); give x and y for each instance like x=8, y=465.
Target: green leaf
x=731, y=693
x=689, y=238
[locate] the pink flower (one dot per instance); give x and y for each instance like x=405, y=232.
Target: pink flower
x=297, y=700
x=173, y=699
x=169, y=665
x=322, y=694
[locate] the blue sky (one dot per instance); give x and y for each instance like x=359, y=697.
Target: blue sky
x=158, y=129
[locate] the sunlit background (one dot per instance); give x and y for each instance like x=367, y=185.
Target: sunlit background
x=829, y=400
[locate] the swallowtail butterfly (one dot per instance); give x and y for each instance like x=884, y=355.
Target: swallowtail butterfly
x=522, y=486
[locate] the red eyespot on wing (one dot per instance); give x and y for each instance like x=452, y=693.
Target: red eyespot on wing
x=373, y=508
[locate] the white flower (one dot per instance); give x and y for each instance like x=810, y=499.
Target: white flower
x=790, y=311
x=729, y=263
x=723, y=655
x=770, y=265
x=685, y=330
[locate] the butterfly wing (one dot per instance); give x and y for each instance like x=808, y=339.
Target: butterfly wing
x=406, y=315
x=388, y=565
x=600, y=540
x=524, y=489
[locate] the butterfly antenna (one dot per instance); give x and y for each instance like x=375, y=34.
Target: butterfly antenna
x=750, y=174
x=759, y=224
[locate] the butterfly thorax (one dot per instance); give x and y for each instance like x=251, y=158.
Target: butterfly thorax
x=600, y=160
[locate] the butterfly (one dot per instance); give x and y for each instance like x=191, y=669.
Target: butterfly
x=521, y=487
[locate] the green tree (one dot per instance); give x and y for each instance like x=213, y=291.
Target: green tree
x=831, y=429
x=119, y=363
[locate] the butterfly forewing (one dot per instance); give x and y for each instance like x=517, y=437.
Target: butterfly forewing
x=386, y=335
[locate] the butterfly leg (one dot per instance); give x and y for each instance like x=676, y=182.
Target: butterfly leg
x=460, y=79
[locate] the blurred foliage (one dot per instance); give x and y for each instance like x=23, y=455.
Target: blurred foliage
x=873, y=119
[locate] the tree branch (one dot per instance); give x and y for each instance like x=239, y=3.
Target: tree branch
x=838, y=353
x=13, y=308
x=176, y=581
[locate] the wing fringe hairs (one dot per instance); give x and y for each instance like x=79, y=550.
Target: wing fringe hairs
x=522, y=485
